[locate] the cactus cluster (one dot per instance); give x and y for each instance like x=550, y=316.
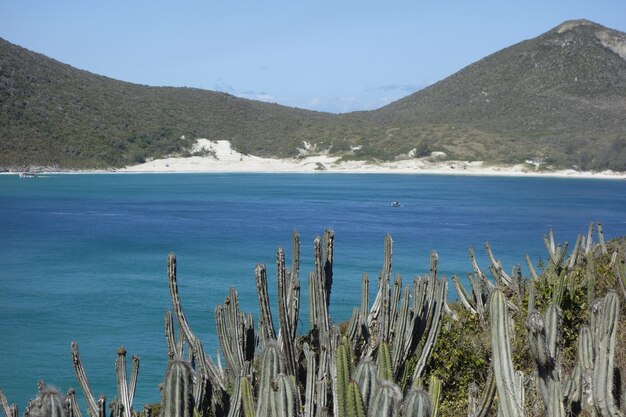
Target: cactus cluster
x=376, y=364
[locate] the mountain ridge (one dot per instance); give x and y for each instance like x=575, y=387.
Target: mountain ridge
x=559, y=98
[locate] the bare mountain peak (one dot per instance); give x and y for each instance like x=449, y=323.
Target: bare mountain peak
x=571, y=24
x=609, y=38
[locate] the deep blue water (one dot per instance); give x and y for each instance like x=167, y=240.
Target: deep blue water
x=83, y=257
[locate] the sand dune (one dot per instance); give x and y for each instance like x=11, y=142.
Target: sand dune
x=219, y=156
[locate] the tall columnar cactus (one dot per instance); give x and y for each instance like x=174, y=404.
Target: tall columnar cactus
x=207, y=366
x=126, y=390
x=501, y=277
x=430, y=325
x=435, y=394
x=247, y=398
x=293, y=289
x=178, y=398
x=284, y=397
x=9, y=410
x=287, y=328
x=404, y=325
x=236, y=334
x=266, y=324
x=365, y=377
x=604, y=333
x=95, y=408
x=48, y=403
x=344, y=367
x=386, y=400
x=354, y=407
x=416, y=403
x=72, y=404
x=271, y=366
x=620, y=272
x=543, y=338
x=385, y=371
x=502, y=362
x=480, y=407
x=311, y=381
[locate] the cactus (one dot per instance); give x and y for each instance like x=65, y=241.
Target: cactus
x=126, y=391
x=543, y=335
x=94, y=408
x=403, y=328
x=284, y=398
x=266, y=325
x=502, y=363
x=501, y=277
x=309, y=393
x=287, y=328
x=247, y=398
x=206, y=363
x=386, y=400
x=9, y=410
x=365, y=377
x=48, y=403
x=344, y=367
x=601, y=240
x=468, y=301
x=620, y=273
x=236, y=335
x=435, y=395
x=385, y=372
x=271, y=366
x=379, y=305
x=432, y=326
x=416, y=404
x=294, y=284
x=604, y=335
x=178, y=396
x=354, y=407
x=72, y=404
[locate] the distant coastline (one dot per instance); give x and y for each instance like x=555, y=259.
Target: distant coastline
x=220, y=157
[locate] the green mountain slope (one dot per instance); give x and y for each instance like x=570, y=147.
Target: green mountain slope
x=560, y=97
x=54, y=114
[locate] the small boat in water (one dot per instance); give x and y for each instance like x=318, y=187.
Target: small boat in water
x=27, y=175
x=395, y=204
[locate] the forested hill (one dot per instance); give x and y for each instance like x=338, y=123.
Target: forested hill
x=559, y=98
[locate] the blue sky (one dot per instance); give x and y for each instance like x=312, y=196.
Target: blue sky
x=335, y=56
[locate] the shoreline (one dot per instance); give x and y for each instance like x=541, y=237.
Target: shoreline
x=218, y=157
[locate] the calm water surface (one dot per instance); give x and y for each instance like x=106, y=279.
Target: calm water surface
x=83, y=257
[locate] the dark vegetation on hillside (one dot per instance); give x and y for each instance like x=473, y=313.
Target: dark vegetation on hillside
x=559, y=98
x=552, y=343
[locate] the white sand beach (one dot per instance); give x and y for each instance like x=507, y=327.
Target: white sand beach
x=219, y=156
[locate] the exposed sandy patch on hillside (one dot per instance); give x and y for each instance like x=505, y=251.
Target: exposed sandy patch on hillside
x=219, y=156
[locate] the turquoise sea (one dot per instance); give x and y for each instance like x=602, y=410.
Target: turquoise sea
x=83, y=257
